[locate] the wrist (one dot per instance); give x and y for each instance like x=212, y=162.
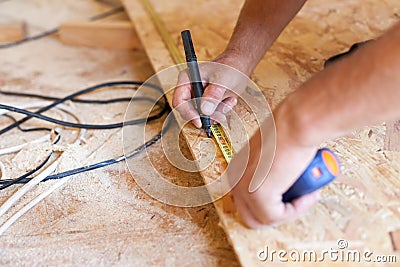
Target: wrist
x=236, y=60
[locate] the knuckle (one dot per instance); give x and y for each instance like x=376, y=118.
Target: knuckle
x=231, y=101
x=175, y=102
x=214, y=92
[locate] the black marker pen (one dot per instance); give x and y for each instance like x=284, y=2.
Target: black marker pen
x=195, y=78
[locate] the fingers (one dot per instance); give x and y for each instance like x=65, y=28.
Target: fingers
x=227, y=105
x=216, y=101
x=284, y=212
x=247, y=217
x=182, y=100
x=302, y=204
x=213, y=95
x=182, y=91
x=224, y=107
x=257, y=215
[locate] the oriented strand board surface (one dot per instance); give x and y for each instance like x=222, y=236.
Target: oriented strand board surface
x=392, y=138
x=101, y=218
x=362, y=206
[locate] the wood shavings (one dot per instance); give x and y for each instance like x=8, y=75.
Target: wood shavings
x=14, y=198
x=3, y=174
x=14, y=149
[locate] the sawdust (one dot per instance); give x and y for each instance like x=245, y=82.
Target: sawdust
x=100, y=217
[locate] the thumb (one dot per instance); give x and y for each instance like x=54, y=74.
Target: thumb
x=213, y=95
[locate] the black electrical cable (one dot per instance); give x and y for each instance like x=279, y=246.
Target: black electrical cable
x=25, y=178
x=82, y=92
x=9, y=182
x=84, y=126
x=55, y=30
x=26, y=129
x=29, y=39
x=82, y=101
x=112, y=161
x=93, y=166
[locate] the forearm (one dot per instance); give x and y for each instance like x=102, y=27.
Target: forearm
x=259, y=25
x=359, y=90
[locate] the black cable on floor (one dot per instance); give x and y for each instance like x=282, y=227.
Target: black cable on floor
x=82, y=101
x=25, y=178
x=29, y=39
x=95, y=166
x=80, y=125
x=77, y=94
x=27, y=129
x=9, y=182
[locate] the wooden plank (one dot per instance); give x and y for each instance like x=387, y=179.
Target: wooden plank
x=12, y=31
x=366, y=197
x=111, y=34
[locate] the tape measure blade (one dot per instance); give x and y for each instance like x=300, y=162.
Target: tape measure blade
x=222, y=141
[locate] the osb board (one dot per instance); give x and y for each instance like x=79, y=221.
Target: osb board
x=392, y=138
x=362, y=206
x=101, y=218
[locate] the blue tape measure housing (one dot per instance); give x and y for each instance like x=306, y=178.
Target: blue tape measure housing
x=317, y=175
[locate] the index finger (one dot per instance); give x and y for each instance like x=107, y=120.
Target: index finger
x=182, y=100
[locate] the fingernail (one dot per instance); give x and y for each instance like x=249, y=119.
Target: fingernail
x=207, y=107
x=197, y=123
x=226, y=109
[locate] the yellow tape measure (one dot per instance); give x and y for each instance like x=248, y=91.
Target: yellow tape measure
x=223, y=141
x=219, y=134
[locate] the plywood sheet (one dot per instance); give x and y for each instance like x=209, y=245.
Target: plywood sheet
x=100, y=218
x=362, y=206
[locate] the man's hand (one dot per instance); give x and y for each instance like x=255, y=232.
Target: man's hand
x=258, y=26
x=264, y=205
x=222, y=81
x=309, y=116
